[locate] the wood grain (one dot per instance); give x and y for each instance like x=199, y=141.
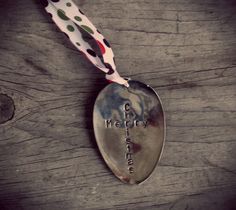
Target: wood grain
x=185, y=49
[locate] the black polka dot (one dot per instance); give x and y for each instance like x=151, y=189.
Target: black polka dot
x=44, y=3
x=111, y=71
x=98, y=31
x=55, y=0
x=106, y=43
x=92, y=53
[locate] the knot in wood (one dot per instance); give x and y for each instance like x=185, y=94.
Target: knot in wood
x=7, y=108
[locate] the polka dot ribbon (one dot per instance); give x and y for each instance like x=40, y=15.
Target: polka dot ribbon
x=68, y=17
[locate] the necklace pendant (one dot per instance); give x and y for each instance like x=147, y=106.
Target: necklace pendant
x=129, y=127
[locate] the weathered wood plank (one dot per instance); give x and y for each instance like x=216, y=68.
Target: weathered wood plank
x=185, y=49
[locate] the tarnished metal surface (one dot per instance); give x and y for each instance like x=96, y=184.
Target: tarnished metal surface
x=129, y=127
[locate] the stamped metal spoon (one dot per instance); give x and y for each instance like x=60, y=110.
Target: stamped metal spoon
x=129, y=127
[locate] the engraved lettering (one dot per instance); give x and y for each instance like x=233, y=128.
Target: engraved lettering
x=130, y=162
x=131, y=170
x=126, y=123
x=128, y=148
x=128, y=155
x=108, y=123
x=127, y=107
x=145, y=123
x=127, y=115
x=117, y=124
x=128, y=140
x=129, y=122
x=127, y=132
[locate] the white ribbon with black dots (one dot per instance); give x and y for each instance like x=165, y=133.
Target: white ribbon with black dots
x=68, y=17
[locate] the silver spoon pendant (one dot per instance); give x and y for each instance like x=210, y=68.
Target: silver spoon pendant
x=129, y=127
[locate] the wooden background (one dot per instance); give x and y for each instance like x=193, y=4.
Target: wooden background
x=185, y=49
